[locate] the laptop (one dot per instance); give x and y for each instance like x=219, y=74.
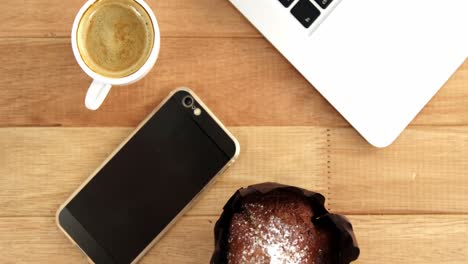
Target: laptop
x=378, y=62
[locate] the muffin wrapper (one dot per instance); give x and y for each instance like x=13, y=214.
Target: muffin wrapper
x=347, y=247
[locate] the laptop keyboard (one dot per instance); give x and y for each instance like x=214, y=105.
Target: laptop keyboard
x=323, y=3
x=305, y=11
x=286, y=3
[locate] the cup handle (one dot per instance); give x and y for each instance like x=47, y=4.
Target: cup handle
x=97, y=92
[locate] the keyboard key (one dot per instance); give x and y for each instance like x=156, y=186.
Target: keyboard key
x=305, y=12
x=286, y=3
x=323, y=3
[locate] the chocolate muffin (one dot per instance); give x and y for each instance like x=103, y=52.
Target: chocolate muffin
x=277, y=228
x=276, y=224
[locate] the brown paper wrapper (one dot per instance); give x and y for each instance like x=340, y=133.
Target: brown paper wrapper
x=346, y=247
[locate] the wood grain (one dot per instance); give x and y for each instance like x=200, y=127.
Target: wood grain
x=425, y=171
x=182, y=18
x=244, y=81
x=382, y=239
x=41, y=167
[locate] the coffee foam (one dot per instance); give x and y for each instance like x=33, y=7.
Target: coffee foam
x=115, y=37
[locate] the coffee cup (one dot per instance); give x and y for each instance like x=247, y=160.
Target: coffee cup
x=116, y=43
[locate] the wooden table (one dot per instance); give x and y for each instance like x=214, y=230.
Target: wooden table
x=408, y=203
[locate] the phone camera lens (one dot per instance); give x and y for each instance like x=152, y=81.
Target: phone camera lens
x=187, y=101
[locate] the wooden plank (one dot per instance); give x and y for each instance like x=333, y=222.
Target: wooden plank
x=54, y=18
x=245, y=81
x=412, y=239
x=41, y=167
x=383, y=239
x=449, y=106
x=424, y=171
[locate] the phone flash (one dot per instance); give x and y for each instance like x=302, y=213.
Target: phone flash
x=197, y=112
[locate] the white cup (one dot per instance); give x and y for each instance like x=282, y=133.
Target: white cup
x=101, y=85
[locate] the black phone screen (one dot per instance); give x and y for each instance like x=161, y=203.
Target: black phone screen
x=147, y=183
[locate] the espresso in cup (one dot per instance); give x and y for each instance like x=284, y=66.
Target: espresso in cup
x=115, y=37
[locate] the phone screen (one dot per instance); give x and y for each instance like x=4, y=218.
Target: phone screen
x=147, y=183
